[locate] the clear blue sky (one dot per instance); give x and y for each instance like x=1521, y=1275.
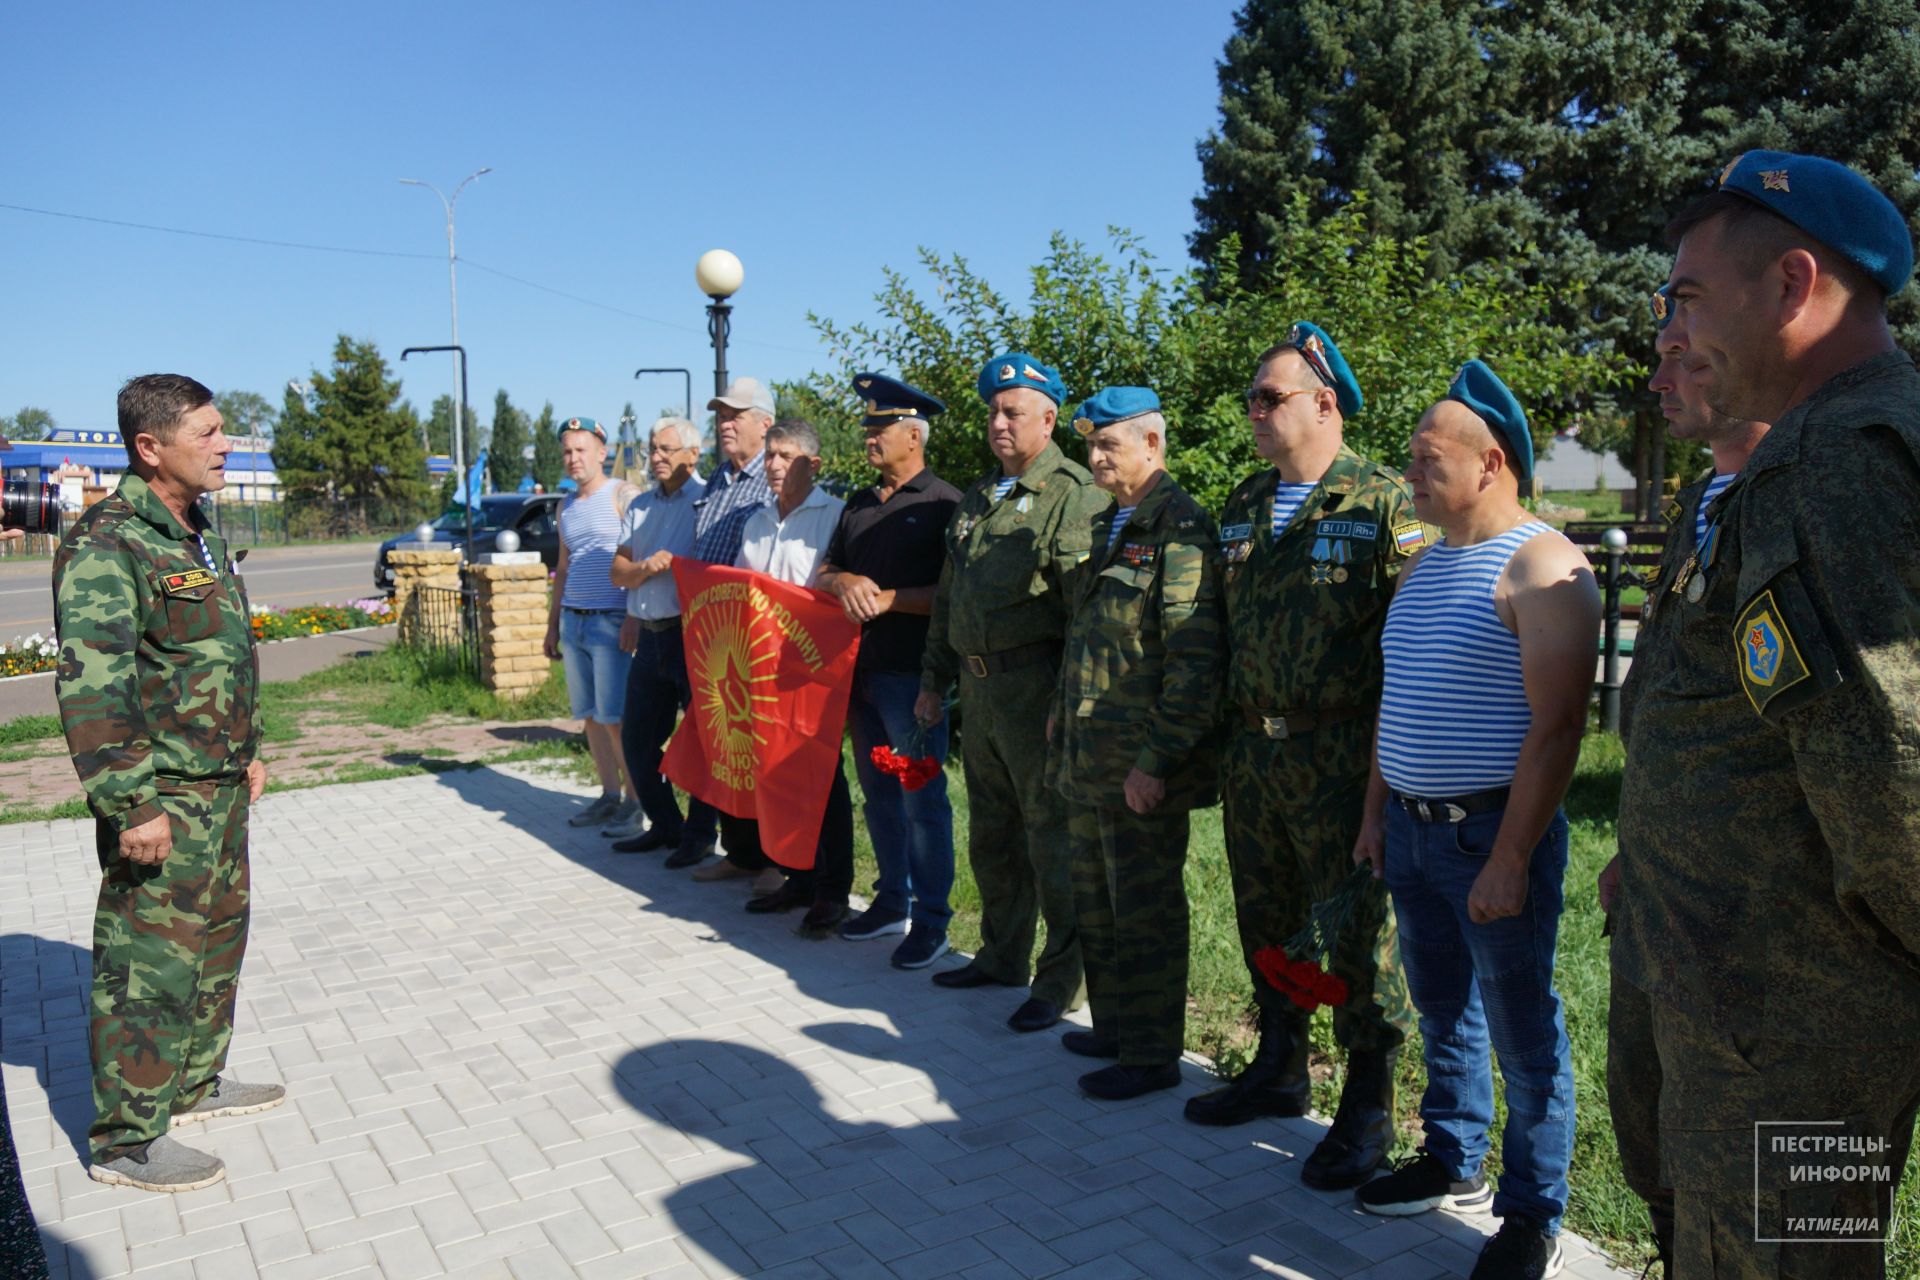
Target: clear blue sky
x=820, y=142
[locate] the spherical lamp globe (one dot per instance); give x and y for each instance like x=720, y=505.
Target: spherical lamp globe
x=719, y=274
x=506, y=540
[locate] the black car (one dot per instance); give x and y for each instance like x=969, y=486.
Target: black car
x=534, y=516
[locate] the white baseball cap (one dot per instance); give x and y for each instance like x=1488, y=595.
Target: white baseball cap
x=745, y=393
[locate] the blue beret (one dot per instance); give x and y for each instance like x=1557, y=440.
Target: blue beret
x=1661, y=304
x=1328, y=365
x=1480, y=389
x=887, y=400
x=1115, y=404
x=1018, y=369
x=583, y=424
x=1831, y=203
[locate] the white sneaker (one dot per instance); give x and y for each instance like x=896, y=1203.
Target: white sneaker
x=627, y=822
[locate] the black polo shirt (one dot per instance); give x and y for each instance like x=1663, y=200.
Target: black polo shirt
x=898, y=543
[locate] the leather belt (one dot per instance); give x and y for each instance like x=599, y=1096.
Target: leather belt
x=567, y=608
x=660, y=624
x=1453, y=808
x=982, y=665
x=1282, y=727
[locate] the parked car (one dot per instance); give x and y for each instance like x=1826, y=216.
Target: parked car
x=534, y=516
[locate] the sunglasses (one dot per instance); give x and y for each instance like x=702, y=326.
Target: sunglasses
x=1266, y=399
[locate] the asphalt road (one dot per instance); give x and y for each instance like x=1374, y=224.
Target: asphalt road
x=331, y=573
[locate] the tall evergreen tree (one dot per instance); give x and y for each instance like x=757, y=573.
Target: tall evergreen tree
x=440, y=429
x=352, y=440
x=508, y=439
x=546, y=449
x=1549, y=141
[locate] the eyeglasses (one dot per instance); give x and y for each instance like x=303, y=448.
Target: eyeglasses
x=1266, y=399
x=667, y=448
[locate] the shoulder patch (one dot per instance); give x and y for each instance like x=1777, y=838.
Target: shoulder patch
x=1765, y=653
x=1671, y=512
x=1409, y=537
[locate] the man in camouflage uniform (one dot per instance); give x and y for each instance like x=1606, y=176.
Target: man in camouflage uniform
x=999, y=620
x=1767, y=946
x=1633, y=1062
x=1306, y=593
x=1134, y=742
x=157, y=686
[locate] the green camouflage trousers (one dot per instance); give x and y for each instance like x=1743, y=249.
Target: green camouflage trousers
x=1694, y=1110
x=1132, y=909
x=1291, y=809
x=1017, y=834
x=167, y=945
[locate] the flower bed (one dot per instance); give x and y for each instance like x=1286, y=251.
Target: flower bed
x=314, y=619
x=28, y=654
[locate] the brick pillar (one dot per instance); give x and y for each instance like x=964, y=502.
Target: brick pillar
x=513, y=625
x=414, y=569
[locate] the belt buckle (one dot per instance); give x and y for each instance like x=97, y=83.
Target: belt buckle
x=1455, y=814
x=976, y=665
x=1274, y=727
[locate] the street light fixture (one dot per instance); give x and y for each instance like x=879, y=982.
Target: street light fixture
x=719, y=275
x=459, y=448
x=453, y=298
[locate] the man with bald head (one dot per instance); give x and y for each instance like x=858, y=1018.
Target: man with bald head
x=1311, y=546
x=999, y=623
x=1767, y=946
x=1489, y=668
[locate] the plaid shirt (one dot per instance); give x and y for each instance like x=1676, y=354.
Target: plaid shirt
x=721, y=519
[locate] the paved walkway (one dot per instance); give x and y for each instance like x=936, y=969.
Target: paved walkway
x=516, y=1058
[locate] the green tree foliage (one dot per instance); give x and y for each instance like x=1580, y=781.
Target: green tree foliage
x=507, y=440
x=1122, y=320
x=352, y=440
x=246, y=413
x=29, y=424
x=440, y=430
x=1549, y=141
x=546, y=449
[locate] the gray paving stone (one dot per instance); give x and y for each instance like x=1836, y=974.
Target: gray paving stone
x=562, y=1063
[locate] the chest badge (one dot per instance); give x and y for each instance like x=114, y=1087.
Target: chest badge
x=186, y=582
x=1322, y=574
x=1139, y=555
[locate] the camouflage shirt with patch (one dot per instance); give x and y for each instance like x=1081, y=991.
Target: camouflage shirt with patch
x=1770, y=806
x=1009, y=564
x=158, y=676
x=1305, y=609
x=1140, y=681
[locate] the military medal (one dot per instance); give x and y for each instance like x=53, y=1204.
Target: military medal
x=1340, y=573
x=1696, y=588
x=1322, y=574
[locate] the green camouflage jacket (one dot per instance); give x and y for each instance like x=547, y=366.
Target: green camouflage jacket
x=1005, y=581
x=1770, y=807
x=158, y=676
x=1140, y=681
x=1305, y=610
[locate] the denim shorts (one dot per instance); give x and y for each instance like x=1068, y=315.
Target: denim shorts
x=596, y=669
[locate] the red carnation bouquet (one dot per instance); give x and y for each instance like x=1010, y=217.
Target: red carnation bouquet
x=914, y=770
x=1297, y=969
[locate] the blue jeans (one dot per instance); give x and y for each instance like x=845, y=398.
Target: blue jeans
x=1478, y=982
x=911, y=831
x=596, y=669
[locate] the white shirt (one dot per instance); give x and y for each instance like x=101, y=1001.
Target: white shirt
x=790, y=550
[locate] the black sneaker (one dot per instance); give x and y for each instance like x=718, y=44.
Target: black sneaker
x=1520, y=1250
x=874, y=923
x=920, y=949
x=1420, y=1183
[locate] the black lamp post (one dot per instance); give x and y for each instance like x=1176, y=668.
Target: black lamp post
x=459, y=441
x=719, y=275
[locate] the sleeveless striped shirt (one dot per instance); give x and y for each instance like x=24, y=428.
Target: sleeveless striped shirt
x=1454, y=710
x=593, y=528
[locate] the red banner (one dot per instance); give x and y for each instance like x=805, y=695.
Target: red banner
x=770, y=665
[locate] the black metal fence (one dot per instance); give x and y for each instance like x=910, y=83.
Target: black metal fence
x=442, y=624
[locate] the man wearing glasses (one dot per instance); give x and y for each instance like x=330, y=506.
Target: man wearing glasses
x=659, y=526
x=1310, y=547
